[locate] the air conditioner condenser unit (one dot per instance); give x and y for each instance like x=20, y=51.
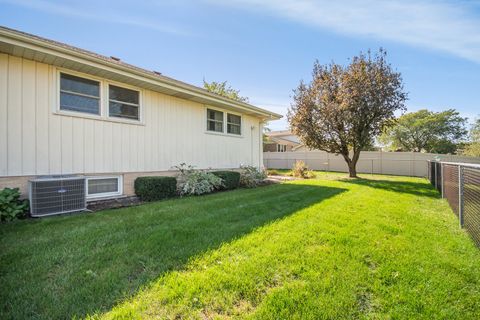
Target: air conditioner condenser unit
x=50, y=195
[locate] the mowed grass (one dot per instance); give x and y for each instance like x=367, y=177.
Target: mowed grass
x=381, y=247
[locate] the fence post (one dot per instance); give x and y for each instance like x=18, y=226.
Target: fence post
x=460, y=195
x=381, y=162
x=442, y=183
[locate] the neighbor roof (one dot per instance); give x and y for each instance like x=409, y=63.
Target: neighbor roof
x=36, y=48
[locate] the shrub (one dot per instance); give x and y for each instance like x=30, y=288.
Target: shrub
x=155, y=188
x=273, y=172
x=231, y=179
x=251, y=176
x=11, y=207
x=300, y=170
x=196, y=182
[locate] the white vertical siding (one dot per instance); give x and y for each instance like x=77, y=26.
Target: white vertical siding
x=41, y=118
x=35, y=140
x=3, y=114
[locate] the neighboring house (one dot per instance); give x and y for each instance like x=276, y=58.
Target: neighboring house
x=281, y=141
x=64, y=110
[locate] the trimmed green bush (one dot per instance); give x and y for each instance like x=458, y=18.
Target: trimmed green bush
x=231, y=179
x=155, y=188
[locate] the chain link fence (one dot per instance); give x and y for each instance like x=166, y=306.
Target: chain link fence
x=459, y=183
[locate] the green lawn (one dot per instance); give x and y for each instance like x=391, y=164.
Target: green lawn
x=330, y=248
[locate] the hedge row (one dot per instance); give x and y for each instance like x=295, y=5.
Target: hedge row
x=158, y=188
x=231, y=179
x=155, y=188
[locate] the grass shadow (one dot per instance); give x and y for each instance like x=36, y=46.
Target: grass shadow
x=71, y=266
x=414, y=188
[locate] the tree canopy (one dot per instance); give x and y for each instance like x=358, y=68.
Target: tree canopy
x=224, y=89
x=473, y=148
x=426, y=131
x=344, y=107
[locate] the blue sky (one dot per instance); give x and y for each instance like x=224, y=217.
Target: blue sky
x=265, y=47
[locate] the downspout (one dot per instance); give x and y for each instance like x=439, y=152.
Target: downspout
x=260, y=144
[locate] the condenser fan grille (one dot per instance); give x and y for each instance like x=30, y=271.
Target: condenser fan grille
x=57, y=195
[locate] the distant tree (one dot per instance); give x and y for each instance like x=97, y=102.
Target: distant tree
x=266, y=138
x=344, y=107
x=427, y=131
x=473, y=148
x=224, y=90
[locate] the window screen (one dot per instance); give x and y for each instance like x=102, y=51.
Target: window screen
x=98, y=186
x=79, y=94
x=123, y=103
x=234, y=124
x=214, y=120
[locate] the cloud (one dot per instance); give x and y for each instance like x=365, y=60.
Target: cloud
x=450, y=27
x=67, y=10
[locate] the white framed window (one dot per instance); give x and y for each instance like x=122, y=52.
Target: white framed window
x=123, y=102
x=234, y=124
x=214, y=120
x=104, y=186
x=281, y=148
x=82, y=95
x=79, y=94
x=224, y=122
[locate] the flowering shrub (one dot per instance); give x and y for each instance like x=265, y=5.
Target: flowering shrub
x=251, y=176
x=196, y=182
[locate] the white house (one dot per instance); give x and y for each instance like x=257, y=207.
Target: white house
x=64, y=110
x=281, y=141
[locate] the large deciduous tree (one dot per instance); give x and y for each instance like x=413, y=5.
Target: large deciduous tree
x=344, y=107
x=428, y=131
x=473, y=148
x=223, y=89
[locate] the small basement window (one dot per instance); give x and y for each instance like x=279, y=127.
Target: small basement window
x=79, y=94
x=234, y=124
x=123, y=103
x=101, y=187
x=214, y=120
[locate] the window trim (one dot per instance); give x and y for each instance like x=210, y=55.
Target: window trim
x=104, y=102
x=105, y=194
x=224, y=127
x=58, y=92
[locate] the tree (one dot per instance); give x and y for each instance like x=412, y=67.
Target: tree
x=424, y=130
x=224, y=90
x=473, y=148
x=344, y=107
x=266, y=138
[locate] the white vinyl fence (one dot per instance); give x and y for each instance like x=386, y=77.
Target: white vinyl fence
x=395, y=163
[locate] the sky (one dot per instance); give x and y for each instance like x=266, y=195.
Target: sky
x=264, y=48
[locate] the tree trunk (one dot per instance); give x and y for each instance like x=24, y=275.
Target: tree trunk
x=352, y=169
x=352, y=165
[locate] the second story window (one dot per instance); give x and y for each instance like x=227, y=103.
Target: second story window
x=79, y=94
x=214, y=120
x=123, y=103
